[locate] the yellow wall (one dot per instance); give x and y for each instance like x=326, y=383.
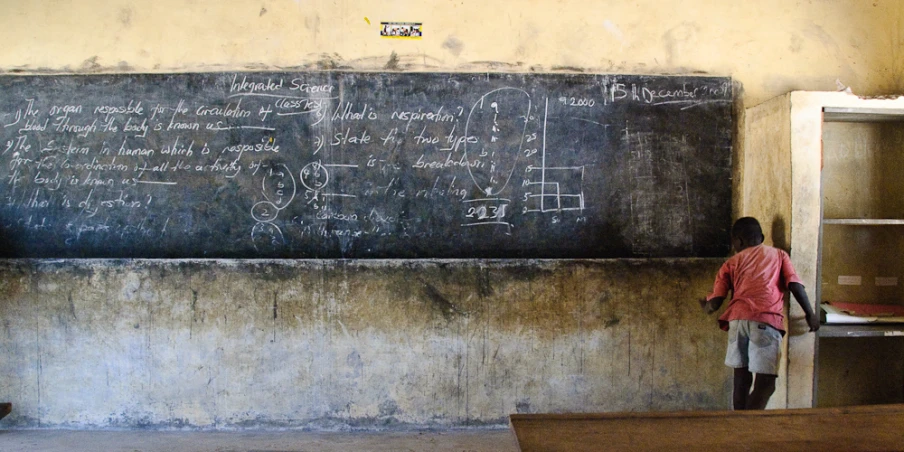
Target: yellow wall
x=769, y=46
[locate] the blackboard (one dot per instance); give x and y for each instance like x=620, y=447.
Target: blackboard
x=364, y=165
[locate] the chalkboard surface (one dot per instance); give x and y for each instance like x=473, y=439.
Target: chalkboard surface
x=364, y=165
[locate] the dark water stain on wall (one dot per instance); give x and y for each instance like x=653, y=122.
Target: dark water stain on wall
x=439, y=302
x=484, y=286
x=125, y=17
x=393, y=63
x=453, y=45
x=90, y=65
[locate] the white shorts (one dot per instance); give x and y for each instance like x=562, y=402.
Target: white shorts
x=754, y=345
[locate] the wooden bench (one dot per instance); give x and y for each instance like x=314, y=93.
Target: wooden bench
x=875, y=427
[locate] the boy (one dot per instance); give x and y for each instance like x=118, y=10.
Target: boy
x=758, y=276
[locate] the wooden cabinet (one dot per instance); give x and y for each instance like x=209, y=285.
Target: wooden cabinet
x=824, y=173
x=861, y=254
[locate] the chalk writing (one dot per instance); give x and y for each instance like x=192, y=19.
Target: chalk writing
x=363, y=165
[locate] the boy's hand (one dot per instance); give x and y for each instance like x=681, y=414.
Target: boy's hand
x=711, y=306
x=813, y=322
x=800, y=294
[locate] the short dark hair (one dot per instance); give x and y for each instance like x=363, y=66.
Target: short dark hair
x=747, y=229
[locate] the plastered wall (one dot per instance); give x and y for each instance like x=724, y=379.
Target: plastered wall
x=396, y=344
x=351, y=344
x=770, y=47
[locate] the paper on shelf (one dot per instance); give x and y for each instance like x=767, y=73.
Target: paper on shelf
x=862, y=312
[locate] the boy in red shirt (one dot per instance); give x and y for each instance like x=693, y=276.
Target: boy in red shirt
x=757, y=276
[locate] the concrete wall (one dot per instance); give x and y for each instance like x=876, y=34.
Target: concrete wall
x=767, y=193
x=370, y=344
x=389, y=344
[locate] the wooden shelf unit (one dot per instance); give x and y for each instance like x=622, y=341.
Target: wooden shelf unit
x=863, y=222
x=869, y=330
x=860, y=242
x=821, y=170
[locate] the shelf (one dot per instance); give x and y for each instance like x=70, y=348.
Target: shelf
x=862, y=222
x=881, y=330
x=844, y=114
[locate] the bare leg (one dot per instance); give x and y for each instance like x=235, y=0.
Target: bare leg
x=762, y=390
x=742, y=381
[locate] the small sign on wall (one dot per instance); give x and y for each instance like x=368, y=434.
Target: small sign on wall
x=402, y=30
x=849, y=280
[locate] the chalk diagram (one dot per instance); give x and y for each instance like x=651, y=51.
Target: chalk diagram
x=315, y=176
x=498, y=121
x=279, y=189
x=556, y=194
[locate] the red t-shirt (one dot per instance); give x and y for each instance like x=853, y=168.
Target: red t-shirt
x=758, y=278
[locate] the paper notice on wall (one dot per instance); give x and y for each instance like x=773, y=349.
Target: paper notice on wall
x=402, y=30
x=886, y=280
x=847, y=280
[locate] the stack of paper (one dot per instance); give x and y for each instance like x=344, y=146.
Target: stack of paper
x=837, y=312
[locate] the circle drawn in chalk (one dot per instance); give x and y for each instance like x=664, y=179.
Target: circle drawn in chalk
x=314, y=176
x=498, y=120
x=264, y=211
x=267, y=237
x=276, y=187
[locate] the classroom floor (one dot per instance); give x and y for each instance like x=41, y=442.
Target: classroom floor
x=278, y=441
